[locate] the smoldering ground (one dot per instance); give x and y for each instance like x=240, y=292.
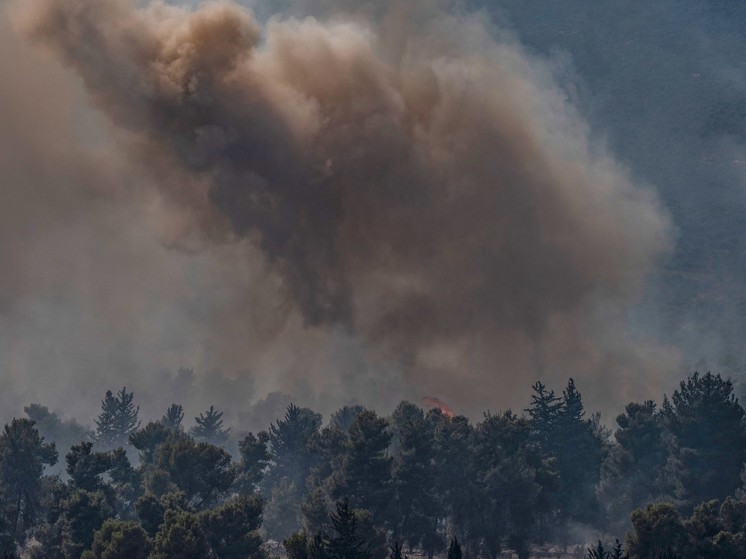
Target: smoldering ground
x=376, y=206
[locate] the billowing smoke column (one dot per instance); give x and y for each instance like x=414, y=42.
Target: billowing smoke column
x=422, y=186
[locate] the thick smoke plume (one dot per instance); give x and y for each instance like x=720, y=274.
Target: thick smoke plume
x=412, y=185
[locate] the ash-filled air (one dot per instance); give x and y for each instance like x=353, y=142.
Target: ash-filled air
x=404, y=186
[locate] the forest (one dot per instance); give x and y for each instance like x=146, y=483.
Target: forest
x=667, y=482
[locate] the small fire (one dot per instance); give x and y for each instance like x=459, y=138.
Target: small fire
x=434, y=403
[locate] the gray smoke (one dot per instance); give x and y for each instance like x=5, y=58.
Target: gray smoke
x=377, y=205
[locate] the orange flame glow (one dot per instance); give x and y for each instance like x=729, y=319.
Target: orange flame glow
x=434, y=403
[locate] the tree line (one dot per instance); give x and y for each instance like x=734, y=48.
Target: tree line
x=365, y=486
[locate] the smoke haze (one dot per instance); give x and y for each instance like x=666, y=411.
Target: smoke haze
x=366, y=204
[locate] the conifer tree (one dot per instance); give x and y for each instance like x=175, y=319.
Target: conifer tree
x=395, y=551
x=297, y=545
x=365, y=476
x=617, y=551
x=119, y=540
x=708, y=425
x=289, y=443
x=254, y=461
x=181, y=536
x=543, y=412
x=454, y=549
x=414, y=514
x=232, y=529
x=209, y=427
x=23, y=456
x=85, y=467
x=598, y=552
x=347, y=542
x=117, y=420
x=173, y=417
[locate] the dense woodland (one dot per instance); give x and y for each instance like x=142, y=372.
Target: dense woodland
x=668, y=482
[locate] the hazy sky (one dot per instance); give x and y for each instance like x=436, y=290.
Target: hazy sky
x=366, y=201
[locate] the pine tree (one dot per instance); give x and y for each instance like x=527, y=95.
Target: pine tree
x=454, y=549
x=209, y=427
x=173, y=418
x=23, y=456
x=598, y=552
x=634, y=472
x=708, y=426
x=543, y=412
x=345, y=416
x=117, y=539
x=232, y=529
x=395, y=551
x=85, y=467
x=254, y=461
x=579, y=451
x=365, y=476
x=181, y=536
x=289, y=443
x=117, y=420
x=617, y=551
x=414, y=514
x=297, y=545
x=347, y=542
x=149, y=438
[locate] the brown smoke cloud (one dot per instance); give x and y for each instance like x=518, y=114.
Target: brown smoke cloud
x=419, y=194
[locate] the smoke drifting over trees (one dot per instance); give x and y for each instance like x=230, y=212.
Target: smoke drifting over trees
x=399, y=200
x=361, y=484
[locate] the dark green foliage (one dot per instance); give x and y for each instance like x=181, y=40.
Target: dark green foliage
x=63, y=433
x=347, y=543
x=126, y=482
x=456, y=474
x=288, y=441
x=254, y=461
x=365, y=470
x=579, y=451
x=209, y=427
x=575, y=443
x=395, y=551
x=598, y=552
x=656, y=529
x=85, y=467
x=84, y=512
x=149, y=438
x=282, y=515
x=117, y=420
x=7, y=542
x=505, y=483
x=232, y=528
x=297, y=546
x=150, y=510
x=454, y=549
x=202, y=471
x=173, y=418
x=617, y=552
x=291, y=460
x=23, y=455
x=415, y=504
x=708, y=426
x=49, y=542
x=345, y=416
x=181, y=537
x=713, y=531
x=510, y=497
x=634, y=472
x=119, y=540
x=544, y=413
x=317, y=548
